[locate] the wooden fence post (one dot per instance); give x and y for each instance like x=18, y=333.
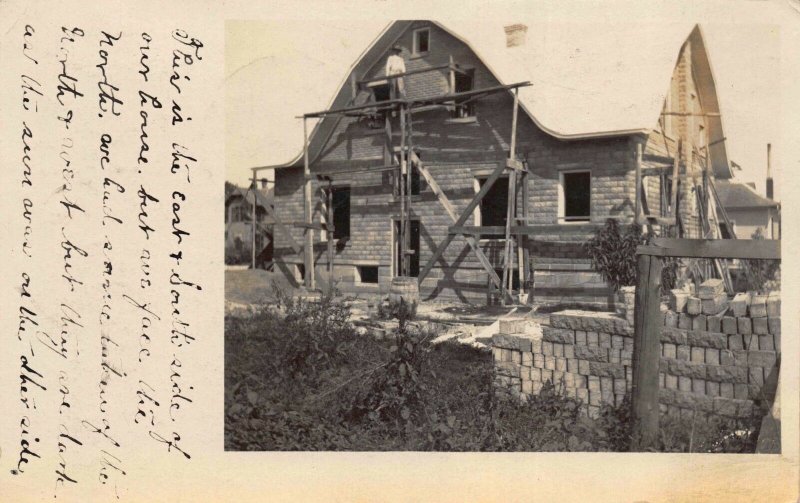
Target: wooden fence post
x=646, y=354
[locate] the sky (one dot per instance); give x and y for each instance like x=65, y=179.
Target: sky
x=279, y=69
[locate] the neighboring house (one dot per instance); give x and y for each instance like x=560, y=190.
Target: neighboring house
x=748, y=211
x=239, y=230
x=582, y=161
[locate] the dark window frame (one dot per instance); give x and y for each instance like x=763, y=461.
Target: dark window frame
x=493, y=210
x=573, y=191
x=341, y=212
x=463, y=111
x=369, y=269
x=417, y=45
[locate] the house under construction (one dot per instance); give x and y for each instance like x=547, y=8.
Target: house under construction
x=461, y=182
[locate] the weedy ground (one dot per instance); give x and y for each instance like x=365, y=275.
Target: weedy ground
x=299, y=377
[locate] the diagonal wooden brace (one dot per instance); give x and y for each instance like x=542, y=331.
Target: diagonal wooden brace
x=450, y=209
x=460, y=222
x=280, y=225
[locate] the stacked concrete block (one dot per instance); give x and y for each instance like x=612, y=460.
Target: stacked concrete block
x=720, y=370
x=588, y=355
x=711, y=364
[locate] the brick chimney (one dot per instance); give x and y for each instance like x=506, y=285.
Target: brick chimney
x=515, y=35
x=770, y=193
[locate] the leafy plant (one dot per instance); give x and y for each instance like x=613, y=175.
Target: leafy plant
x=395, y=394
x=299, y=377
x=613, y=252
x=761, y=275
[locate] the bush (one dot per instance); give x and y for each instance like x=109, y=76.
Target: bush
x=761, y=275
x=394, y=394
x=299, y=377
x=613, y=253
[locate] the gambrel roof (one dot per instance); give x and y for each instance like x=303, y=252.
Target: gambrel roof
x=589, y=81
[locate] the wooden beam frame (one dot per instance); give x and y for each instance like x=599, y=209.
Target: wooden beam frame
x=508, y=257
x=641, y=212
x=764, y=249
x=418, y=102
x=253, y=222
x=646, y=353
x=472, y=241
x=402, y=182
x=466, y=214
x=487, y=185
x=307, y=234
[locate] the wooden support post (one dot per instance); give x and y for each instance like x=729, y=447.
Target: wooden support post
x=353, y=87
x=308, y=246
x=508, y=255
x=409, y=170
x=637, y=207
x=512, y=154
x=524, y=272
x=330, y=229
x=402, y=181
x=676, y=173
x=523, y=179
x=253, y=223
x=646, y=353
x=388, y=158
x=452, y=76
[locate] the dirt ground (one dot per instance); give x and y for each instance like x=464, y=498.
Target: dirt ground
x=470, y=324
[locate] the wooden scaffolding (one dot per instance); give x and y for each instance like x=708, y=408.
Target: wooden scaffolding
x=401, y=160
x=668, y=222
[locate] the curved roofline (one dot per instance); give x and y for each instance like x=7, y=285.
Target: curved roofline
x=552, y=132
x=700, y=62
x=707, y=89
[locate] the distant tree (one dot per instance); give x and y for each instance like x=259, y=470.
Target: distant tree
x=229, y=188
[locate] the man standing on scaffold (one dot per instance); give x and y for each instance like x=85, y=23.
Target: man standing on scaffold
x=396, y=65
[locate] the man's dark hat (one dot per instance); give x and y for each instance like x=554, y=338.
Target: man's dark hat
x=397, y=48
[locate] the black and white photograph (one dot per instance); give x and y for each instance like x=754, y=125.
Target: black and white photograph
x=479, y=236
x=399, y=251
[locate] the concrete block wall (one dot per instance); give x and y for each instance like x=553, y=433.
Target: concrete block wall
x=710, y=364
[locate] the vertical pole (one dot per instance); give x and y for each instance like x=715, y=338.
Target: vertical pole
x=331, y=230
x=676, y=173
x=403, y=179
x=513, y=149
x=308, y=246
x=646, y=353
x=520, y=263
x=512, y=154
x=452, y=76
x=637, y=208
x=253, y=223
x=409, y=179
x=508, y=255
x=525, y=260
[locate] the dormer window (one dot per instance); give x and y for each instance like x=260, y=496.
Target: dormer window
x=422, y=41
x=463, y=83
x=380, y=90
